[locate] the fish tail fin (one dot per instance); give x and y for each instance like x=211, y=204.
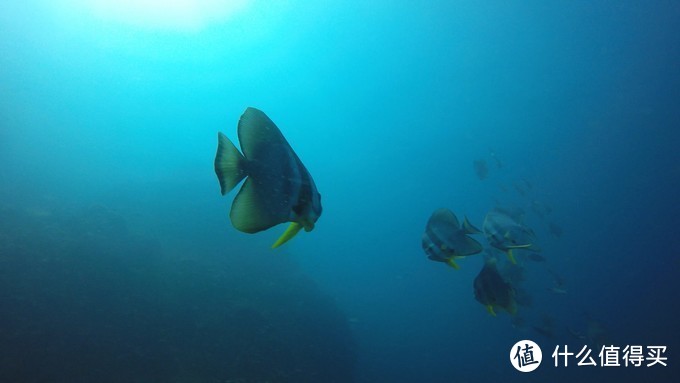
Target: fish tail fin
x=489, y=308
x=511, y=257
x=470, y=228
x=229, y=164
x=287, y=235
x=451, y=262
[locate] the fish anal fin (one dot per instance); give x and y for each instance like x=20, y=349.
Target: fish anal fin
x=471, y=246
x=253, y=209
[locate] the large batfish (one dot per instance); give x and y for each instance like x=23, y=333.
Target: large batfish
x=278, y=188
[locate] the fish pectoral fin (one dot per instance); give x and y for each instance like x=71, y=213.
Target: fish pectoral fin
x=287, y=235
x=451, y=262
x=511, y=257
x=529, y=245
x=489, y=308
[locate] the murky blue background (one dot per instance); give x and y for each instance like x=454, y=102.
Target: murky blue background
x=117, y=258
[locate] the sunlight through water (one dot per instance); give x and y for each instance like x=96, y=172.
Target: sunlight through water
x=182, y=15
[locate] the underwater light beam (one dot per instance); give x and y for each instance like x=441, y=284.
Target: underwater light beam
x=184, y=15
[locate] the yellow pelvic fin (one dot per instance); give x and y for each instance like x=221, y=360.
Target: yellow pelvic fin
x=521, y=246
x=452, y=263
x=511, y=257
x=290, y=232
x=489, y=308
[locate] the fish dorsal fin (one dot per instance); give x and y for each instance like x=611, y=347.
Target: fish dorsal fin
x=444, y=216
x=261, y=139
x=515, y=213
x=270, y=158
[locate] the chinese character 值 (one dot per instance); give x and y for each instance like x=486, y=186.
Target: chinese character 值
x=609, y=356
x=527, y=356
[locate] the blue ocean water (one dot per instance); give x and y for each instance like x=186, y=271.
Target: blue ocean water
x=118, y=262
